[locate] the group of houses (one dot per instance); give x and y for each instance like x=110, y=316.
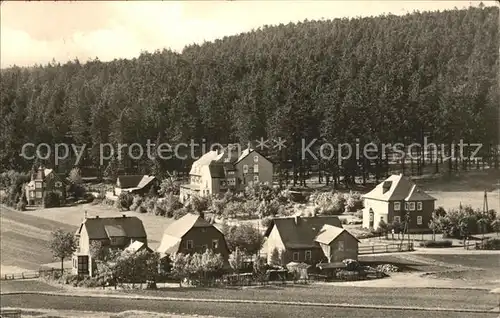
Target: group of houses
x=309, y=240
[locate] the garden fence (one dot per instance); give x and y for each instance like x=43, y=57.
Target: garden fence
x=385, y=248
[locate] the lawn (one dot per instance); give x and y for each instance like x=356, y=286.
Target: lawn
x=320, y=293
x=488, y=267
x=32, y=285
x=214, y=309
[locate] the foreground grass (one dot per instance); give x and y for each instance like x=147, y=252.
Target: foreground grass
x=215, y=309
x=449, y=298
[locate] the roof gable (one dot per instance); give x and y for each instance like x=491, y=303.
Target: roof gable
x=301, y=232
x=103, y=228
x=329, y=233
x=180, y=227
x=129, y=181
x=396, y=188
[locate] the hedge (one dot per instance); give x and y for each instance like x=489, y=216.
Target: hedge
x=436, y=244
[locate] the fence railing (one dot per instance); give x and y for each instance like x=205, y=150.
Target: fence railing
x=31, y=274
x=385, y=248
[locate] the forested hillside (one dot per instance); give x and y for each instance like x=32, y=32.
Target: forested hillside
x=383, y=79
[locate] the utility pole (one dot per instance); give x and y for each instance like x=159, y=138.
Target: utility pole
x=485, y=202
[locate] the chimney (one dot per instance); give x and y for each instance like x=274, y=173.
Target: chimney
x=249, y=145
x=202, y=215
x=297, y=219
x=124, y=215
x=97, y=216
x=85, y=214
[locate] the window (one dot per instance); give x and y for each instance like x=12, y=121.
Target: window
x=255, y=168
x=256, y=178
x=38, y=195
x=255, y=159
x=58, y=184
x=407, y=206
x=189, y=244
x=397, y=218
x=419, y=220
x=295, y=256
x=38, y=185
x=231, y=173
x=32, y=194
x=397, y=206
x=245, y=168
x=412, y=206
x=215, y=244
x=341, y=245
x=419, y=206
x=308, y=255
x=83, y=264
x=231, y=181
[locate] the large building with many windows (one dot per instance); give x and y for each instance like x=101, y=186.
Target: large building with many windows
x=398, y=199
x=229, y=169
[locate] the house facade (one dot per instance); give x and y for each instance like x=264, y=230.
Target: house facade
x=117, y=233
x=193, y=234
x=135, y=184
x=310, y=240
x=230, y=169
x=43, y=181
x=397, y=199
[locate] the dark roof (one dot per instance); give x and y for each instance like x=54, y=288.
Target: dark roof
x=180, y=227
x=301, y=234
x=217, y=170
x=102, y=228
x=129, y=181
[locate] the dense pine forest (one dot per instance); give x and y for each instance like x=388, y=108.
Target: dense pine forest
x=383, y=79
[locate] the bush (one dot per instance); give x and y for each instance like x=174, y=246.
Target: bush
x=266, y=222
x=51, y=200
x=177, y=214
x=21, y=205
x=351, y=264
x=435, y=244
x=88, y=197
x=491, y=244
x=353, y=202
x=124, y=201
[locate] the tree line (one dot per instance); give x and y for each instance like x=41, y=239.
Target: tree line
x=382, y=79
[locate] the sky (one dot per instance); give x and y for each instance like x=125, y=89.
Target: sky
x=38, y=32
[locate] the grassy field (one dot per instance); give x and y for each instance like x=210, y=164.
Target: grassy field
x=488, y=268
x=215, y=309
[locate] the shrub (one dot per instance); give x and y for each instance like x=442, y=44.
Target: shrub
x=177, y=214
x=88, y=197
x=266, y=222
x=21, y=205
x=351, y=264
x=51, y=200
x=491, y=244
x=76, y=190
x=136, y=203
x=434, y=244
x=124, y=201
x=353, y=202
